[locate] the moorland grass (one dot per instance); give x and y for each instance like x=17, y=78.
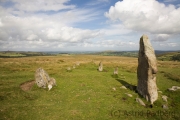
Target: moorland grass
x=83, y=93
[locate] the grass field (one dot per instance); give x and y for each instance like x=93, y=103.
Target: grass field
x=83, y=93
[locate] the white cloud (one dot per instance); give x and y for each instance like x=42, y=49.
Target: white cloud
x=132, y=43
x=71, y=34
x=116, y=29
x=147, y=16
x=32, y=37
x=169, y=45
x=31, y=30
x=115, y=44
x=173, y=44
x=40, y=32
x=160, y=37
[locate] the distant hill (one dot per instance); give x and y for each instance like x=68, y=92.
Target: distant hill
x=118, y=53
x=161, y=55
x=158, y=52
x=169, y=56
x=9, y=54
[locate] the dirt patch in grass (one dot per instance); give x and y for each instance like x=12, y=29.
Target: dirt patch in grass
x=26, y=86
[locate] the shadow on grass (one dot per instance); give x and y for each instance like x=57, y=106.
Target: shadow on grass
x=127, y=85
x=133, y=88
x=114, y=76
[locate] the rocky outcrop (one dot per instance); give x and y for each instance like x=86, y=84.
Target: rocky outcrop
x=147, y=69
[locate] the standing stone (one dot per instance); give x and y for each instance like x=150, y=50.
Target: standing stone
x=77, y=63
x=100, y=67
x=116, y=71
x=41, y=78
x=146, y=71
x=68, y=69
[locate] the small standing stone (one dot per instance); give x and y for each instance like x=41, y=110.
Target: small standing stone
x=100, y=67
x=116, y=71
x=74, y=66
x=77, y=63
x=68, y=69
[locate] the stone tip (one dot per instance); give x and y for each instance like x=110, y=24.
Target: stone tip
x=144, y=36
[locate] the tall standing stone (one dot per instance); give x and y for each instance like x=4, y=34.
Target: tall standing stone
x=147, y=69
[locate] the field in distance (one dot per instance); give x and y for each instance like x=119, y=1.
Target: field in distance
x=83, y=92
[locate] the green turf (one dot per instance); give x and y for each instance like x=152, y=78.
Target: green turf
x=83, y=93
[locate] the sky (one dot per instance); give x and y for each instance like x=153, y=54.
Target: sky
x=88, y=25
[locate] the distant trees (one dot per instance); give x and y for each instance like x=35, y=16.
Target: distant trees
x=176, y=57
